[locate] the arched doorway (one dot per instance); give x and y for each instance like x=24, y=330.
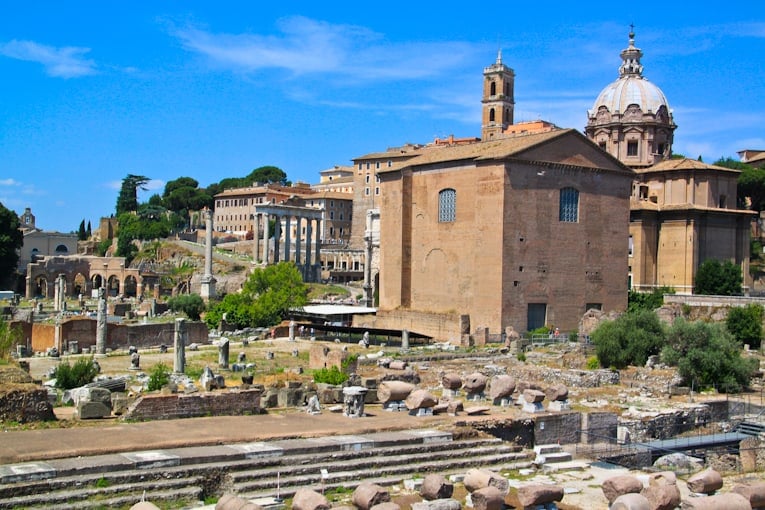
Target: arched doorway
x=113, y=286
x=41, y=287
x=131, y=286
x=80, y=285
x=97, y=282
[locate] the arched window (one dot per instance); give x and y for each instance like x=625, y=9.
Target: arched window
x=447, y=205
x=491, y=115
x=493, y=89
x=62, y=249
x=569, y=205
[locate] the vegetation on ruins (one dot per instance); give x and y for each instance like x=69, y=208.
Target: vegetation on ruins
x=191, y=305
x=707, y=356
x=9, y=336
x=11, y=240
x=331, y=375
x=717, y=278
x=159, y=377
x=745, y=324
x=73, y=376
x=629, y=339
x=647, y=300
x=265, y=299
x=263, y=175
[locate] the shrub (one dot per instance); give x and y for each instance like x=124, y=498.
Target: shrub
x=8, y=337
x=73, y=376
x=160, y=376
x=707, y=355
x=628, y=340
x=593, y=363
x=745, y=324
x=332, y=375
x=647, y=300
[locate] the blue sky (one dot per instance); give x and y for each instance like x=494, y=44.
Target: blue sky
x=94, y=91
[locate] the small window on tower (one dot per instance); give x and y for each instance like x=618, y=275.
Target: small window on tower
x=632, y=148
x=493, y=91
x=491, y=115
x=602, y=145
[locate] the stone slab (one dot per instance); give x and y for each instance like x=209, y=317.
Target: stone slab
x=257, y=450
x=12, y=473
x=430, y=435
x=152, y=459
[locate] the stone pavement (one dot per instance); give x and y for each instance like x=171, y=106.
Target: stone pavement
x=114, y=436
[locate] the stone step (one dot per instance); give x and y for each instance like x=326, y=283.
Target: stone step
x=553, y=457
x=90, y=496
x=392, y=476
x=543, y=449
x=560, y=467
x=310, y=465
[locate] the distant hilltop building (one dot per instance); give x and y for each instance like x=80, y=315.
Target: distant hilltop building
x=39, y=243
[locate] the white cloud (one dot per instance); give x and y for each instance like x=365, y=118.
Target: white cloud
x=65, y=62
x=305, y=46
x=9, y=182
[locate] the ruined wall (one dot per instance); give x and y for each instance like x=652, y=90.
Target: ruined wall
x=561, y=428
x=118, y=336
x=167, y=407
x=599, y=427
x=25, y=403
x=665, y=425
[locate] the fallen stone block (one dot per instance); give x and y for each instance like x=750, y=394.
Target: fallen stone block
x=471, y=411
x=307, y=499
x=475, y=383
x=662, y=497
x=502, y=386
x=231, y=502
x=557, y=392
x=435, y=486
x=388, y=505
x=488, y=498
x=368, y=495
x=662, y=478
x=92, y=410
x=754, y=492
x=622, y=484
x=705, y=482
x=420, y=399
x=479, y=478
x=533, y=396
x=631, y=501
x=388, y=391
x=451, y=381
x=729, y=501
x=539, y=494
x=454, y=407
x=438, y=504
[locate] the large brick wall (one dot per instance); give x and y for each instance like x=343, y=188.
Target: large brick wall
x=440, y=326
x=218, y=403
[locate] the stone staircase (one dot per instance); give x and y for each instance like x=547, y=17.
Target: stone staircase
x=552, y=458
x=750, y=428
x=262, y=471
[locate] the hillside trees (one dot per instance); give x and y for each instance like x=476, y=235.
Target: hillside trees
x=127, y=200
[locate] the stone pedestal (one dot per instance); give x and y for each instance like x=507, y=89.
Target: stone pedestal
x=223, y=351
x=532, y=407
x=353, y=401
x=559, y=405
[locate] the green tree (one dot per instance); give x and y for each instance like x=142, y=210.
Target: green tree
x=706, y=355
x=82, y=234
x=629, y=339
x=751, y=183
x=718, y=278
x=150, y=223
x=11, y=240
x=159, y=377
x=89, y=233
x=266, y=175
x=266, y=298
x=745, y=324
x=190, y=304
x=127, y=200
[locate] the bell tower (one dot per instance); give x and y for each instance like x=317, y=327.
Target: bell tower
x=498, y=99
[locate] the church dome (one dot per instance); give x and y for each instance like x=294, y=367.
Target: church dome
x=631, y=87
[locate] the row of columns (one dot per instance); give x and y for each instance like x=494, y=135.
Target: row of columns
x=308, y=257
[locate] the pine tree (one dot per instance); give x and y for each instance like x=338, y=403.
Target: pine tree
x=90, y=233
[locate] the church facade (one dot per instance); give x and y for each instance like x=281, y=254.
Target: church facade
x=682, y=211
